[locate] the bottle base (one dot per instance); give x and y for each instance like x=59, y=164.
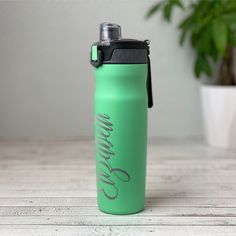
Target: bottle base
x=119, y=212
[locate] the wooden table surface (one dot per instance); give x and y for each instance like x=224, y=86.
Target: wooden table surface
x=48, y=188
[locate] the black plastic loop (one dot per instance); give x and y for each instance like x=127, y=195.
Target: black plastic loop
x=149, y=85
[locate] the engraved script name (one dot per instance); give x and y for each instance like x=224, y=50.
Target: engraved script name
x=106, y=173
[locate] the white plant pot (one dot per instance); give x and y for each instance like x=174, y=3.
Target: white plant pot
x=219, y=115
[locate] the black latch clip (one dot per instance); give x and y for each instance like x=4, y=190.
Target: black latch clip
x=149, y=79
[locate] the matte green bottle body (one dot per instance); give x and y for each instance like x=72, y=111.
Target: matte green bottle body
x=121, y=137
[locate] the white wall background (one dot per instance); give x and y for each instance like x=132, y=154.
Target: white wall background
x=47, y=84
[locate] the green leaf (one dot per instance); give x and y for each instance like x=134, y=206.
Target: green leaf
x=213, y=53
x=230, y=5
x=167, y=11
x=230, y=17
x=233, y=41
x=202, y=66
x=231, y=20
x=185, y=26
x=179, y=4
x=153, y=10
x=182, y=37
x=168, y=8
x=203, y=40
x=186, y=22
x=232, y=38
x=220, y=34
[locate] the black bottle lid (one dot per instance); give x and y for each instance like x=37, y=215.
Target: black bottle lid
x=113, y=49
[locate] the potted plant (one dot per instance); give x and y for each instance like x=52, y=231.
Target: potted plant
x=210, y=26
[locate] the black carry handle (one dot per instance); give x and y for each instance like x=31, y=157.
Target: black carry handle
x=149, y=84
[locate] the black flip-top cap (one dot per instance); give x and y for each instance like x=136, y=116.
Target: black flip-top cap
x=112, y=49
x=125, y=51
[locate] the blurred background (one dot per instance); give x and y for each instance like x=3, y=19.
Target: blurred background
x=47, y=84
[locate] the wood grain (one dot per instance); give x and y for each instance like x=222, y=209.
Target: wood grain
x=191, y=190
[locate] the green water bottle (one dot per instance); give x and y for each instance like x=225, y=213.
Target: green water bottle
x=122, y=97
